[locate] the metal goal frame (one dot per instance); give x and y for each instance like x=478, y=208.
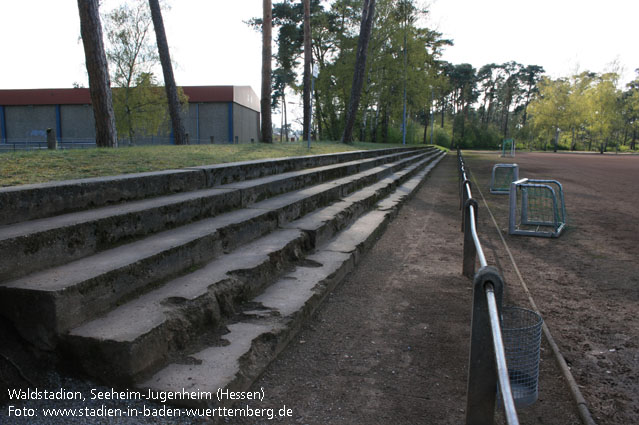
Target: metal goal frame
x=500, y=184
x=508, y=148
x=525, y=220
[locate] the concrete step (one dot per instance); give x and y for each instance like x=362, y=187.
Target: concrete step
x=33, y=201
x=266, y=324
x=38, y=244
x=324, y=223
x=46, y=304
x=139, y=336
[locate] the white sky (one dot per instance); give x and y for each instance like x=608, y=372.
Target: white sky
x=40, y=46
x=560, y=35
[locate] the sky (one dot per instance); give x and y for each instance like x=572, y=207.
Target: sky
x=561, y=35
x=213, y=46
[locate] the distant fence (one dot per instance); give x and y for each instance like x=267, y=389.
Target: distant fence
x=487, y=363
x=72, y=143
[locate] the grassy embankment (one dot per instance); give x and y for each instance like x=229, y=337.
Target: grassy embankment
x=42, y=166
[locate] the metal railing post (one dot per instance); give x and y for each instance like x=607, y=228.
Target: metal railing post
x=482, y=371
x=470, y=250
x=487, y=363
x=464, y=190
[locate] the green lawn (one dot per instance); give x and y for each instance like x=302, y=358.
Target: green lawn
x=42, y=166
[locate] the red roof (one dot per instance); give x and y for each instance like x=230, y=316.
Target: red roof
x=209, y=93
x=242, y=95
x=45, y=97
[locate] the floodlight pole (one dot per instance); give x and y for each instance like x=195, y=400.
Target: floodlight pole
x=404, y=113
x=314, y=75
x=557, y=138
x=432, y=124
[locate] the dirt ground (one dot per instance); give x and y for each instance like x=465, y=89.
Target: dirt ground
x=585, y=283
x=390, y=345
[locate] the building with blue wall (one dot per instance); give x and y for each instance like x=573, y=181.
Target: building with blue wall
x=222, y=114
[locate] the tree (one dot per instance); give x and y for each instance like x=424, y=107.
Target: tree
x=550, y=108
x=631, y=104
x=146, y=108
x=462, y=79
x=308, y=58
x=286, y=16
x=133, y=58
x=529, y=77
x=510, y=91
x=368, y=14
x=131, y=55
x=603, y=99
x=265, y=102
x=576, y=118
x=167, y=69
x=487, y=81
x=99, y=83
x=334, y=40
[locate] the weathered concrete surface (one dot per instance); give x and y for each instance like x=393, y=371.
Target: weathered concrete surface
x=246, y=170
x=274, y=317
x=266, y=187
x=122, y=313
x=141, y=335
x=35, y=245
x=38, y=244
x=48, y=303
x=28, y=202
x=166, y=318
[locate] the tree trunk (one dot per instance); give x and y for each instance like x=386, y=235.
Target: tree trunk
x=167, y=70
x=452, y=133
x=368, y=14
x=265, y=102
x=426, y=122
x=308, y=58
x=385, y=119
x=374, y=126
x=285, y=117
x=318, y=114
x=463, y=129
x=282, y=119
x=99, y=82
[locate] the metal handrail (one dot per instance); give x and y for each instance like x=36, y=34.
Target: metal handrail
x=469, y=226
x=500, y=358
x=473, y=230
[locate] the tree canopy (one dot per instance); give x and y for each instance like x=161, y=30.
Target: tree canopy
x=471, y=107
x=139, y=101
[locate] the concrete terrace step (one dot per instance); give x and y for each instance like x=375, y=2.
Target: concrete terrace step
x=116, y=346
x=46, y=304
x=37, y=244
x=33, y=201
x=255, y=336
x=142, y=333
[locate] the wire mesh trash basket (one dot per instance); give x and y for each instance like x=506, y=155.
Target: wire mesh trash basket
x=521, y=330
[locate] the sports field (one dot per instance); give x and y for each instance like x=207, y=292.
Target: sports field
x=586, y=282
